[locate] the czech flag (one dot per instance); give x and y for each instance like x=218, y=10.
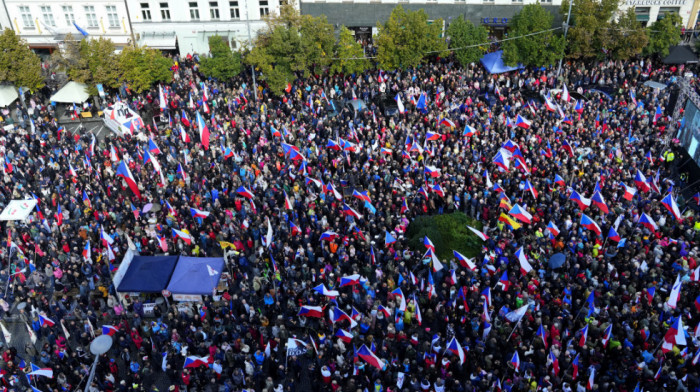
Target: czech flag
x=438, y=189
x=599, y=202
x=501, y=161
x=674, y=336
x=194, y=362
x=525, y=266
x=613, y=235
x=294, y=228
x=244, y=192
x=344, y=335
x=153, y=147
x=520, y=214
x=515, y=360
x=87, y=253
x=333, y=145
x=582, y=201
x=432, y=171
x=389, y=239
x=336, y=315
x=183, y=236
x=555, y=363
x=46, y=321
x=646, y=221
x=59, y=216
x=591, y=381
x=567, y=147
x=522, y=122
x=629, y=192
x=447, y=123
x=529, y=187
x=607, y=335
x=590, y=224
x=584, y=336
x=124, y=172
x=428, y=243
x=658, y=114
x=574, y=364
x=361, y=195
x=328, y=236
x=311, y=311
x=478, y=233
x=469, y=131
x=369, y=357
x=199, y=213
x=203, y=131
x=350, y=280
x=287, y=202
x=432, y=136
x=106, y=238
x=541, y=333
x=579, y=107
x=37, y=371
x=109, y=330
x=641, y=182
x=455, y=348
x=671, y=205
x=464, y=261
x=553, y=228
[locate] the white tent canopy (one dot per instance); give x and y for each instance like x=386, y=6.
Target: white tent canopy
x=72, y=92
x=8, y=94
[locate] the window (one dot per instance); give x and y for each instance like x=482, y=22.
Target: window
x=235, y=11
x=91, y=16
x=26, y=17
x=234, y=44
x=68, y=14
x=145, y=11
x=667, y=10
x=642, y=14
x=264, y=8
x=164, y=11
x=112, y=16
x=47, y=16
x=214, y=9
x=194, y=11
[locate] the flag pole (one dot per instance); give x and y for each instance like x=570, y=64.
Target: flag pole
x=516, y=326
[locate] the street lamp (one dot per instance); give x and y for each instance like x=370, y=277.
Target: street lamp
x=565, y=26
x=99, y=346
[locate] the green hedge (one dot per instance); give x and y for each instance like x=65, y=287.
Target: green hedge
x=448, y=232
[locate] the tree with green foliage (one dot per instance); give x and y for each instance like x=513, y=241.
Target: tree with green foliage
x=537, y=50
x=350, y=57
x=291, y=44
x=448, y=232
x=664, y=33
x=406, y=39
x=223, y=63
x=90, y=61
x=142, y=67
x=590, y=25
x=18, y=64
x=627, y=36
x=462, y=34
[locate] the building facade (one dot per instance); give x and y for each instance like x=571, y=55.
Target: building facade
x=185, y=26
x=361, y=16
x=649, y=11
x=44, y=23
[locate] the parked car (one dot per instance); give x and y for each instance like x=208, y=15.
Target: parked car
x=386, y=104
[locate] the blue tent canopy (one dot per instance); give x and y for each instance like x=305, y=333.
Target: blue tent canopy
x=148, y=274
x=196, y=275
x=493, y=62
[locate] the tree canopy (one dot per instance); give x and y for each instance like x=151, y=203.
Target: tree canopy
x=537, y=50
x=349, y=54
x=141, y=67
x=462, y=34
x=90, y=61
x=406, y=39
x=290, y=44
x=18, y=64
x=591, y=22
x=223, y=63
x=664, y=33
x=628, y=38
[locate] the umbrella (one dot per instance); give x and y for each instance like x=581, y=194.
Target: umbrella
x=147, y=207
x=557, y=260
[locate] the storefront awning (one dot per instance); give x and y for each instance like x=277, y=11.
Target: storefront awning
x=162, y=42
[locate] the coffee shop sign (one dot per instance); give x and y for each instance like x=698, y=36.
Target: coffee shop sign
x=632, y=3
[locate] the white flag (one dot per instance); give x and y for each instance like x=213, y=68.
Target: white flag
x=268, y=237
x=32, y=336
x=516, y=315
x=6, y=333
x=295, y=347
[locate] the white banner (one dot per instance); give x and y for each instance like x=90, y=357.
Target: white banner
x=17, y=210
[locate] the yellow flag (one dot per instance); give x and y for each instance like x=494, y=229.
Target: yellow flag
x=509, y=221
x=225, y=244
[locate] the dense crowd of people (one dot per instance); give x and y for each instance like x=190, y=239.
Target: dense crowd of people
x=543, y=164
